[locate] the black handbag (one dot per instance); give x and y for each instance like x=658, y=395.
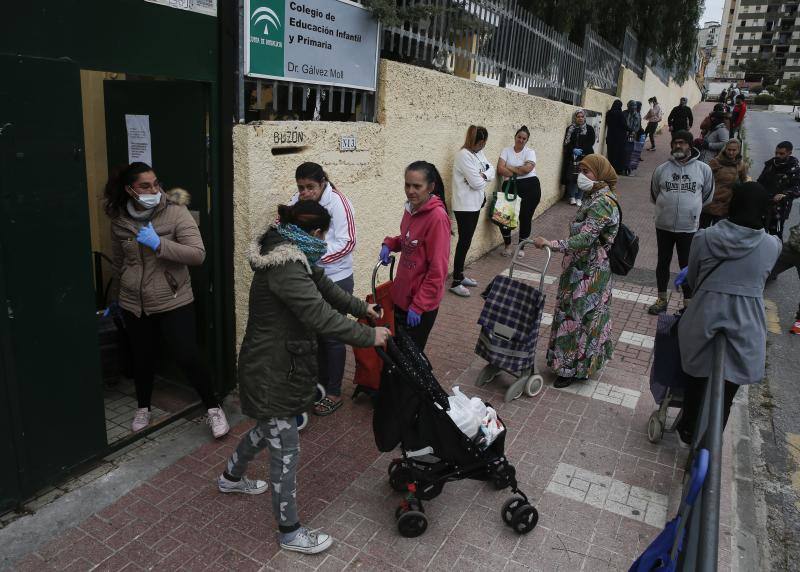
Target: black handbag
x=623, y=251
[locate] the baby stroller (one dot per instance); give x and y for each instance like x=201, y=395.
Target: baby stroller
x=411, y=411
x=667, y=378
x=509, y=323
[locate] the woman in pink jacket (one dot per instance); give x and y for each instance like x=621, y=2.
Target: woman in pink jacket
x=424, y=242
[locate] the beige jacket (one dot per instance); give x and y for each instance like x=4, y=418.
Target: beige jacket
x=153, y=282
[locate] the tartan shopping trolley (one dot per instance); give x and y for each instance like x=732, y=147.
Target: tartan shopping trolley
x=510, y=320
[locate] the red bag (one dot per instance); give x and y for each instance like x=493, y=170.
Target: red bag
x=368, y=364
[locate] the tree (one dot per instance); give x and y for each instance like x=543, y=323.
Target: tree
x=765, y=71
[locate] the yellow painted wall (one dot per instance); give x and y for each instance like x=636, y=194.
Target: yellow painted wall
x=422, y=114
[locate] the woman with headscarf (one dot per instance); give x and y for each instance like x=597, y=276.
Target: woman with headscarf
x=633, y=124
x=616, y=135
x=729, y=169
x=728, y=267
x=580, y=338
x=579, y=141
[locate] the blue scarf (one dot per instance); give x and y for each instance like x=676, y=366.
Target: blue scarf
x=312, y=247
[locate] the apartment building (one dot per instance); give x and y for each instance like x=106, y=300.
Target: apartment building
x=759, y=30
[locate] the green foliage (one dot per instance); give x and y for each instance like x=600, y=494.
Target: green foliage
x=765, y=71
x=765, y=99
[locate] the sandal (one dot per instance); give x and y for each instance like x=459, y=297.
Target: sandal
x=326, y=406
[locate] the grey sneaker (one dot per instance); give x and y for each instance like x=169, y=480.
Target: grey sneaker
x=308, y=542
x=244, y=486
x=468, y=282
x=460, y=290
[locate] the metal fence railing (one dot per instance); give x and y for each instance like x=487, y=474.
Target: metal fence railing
x=274, y=100
x=603, y=61
x=633, y=56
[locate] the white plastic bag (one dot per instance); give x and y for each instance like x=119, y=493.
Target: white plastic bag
x=466, y=413
x=491, y=426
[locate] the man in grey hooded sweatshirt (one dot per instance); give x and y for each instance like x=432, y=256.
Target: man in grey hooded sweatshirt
x=679, y=188
x=728, y=267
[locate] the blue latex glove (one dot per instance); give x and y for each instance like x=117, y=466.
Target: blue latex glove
x=577, y=152
x=149, y=237
x=413, y=319
x=112, y=310
x=384, y=255
x=681, y=278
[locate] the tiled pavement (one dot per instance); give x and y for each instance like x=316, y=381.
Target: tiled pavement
x=582, y=455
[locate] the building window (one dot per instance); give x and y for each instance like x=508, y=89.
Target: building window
x=744, y=23
x=741, y=36
x=750, y=48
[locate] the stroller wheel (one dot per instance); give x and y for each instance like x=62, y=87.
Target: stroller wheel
x=487, y=374
x=302, y=421
x=524, y=519
x=655, y=429
x=534, y=385
x=509, y=507
x=412, y=524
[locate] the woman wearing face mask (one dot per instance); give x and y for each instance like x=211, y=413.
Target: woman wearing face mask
x=313, y=184
x=653, y=117
x=715, y=139
x=424, y=241
x=578, y=143
x=729, y=169
x=580, y=338
x=154, y=240
x=471, y=176
x=520, y=161
x=292, y=301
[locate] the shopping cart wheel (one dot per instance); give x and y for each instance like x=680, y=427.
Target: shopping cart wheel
x=515, y=390
x=302, y=421
x=412, y=524
x=534, y=385
x=512, y=504
x=487, y=374
x=655, y=428
x=524, y=519
x=321, y=393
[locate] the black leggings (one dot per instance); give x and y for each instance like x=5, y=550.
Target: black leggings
x=467, y=222
x=421, y=332
x=666, y=242
x=174, y=330
x=530, y=192
x=693, y=399
x=650, y=130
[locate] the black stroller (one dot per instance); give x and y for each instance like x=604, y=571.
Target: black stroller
x=411, y=411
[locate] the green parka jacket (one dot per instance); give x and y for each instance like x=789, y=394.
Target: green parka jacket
x=291, y=303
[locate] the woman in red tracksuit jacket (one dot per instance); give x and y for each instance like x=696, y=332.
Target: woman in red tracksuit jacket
x=424, y=242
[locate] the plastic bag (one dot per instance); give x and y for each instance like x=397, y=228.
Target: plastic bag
x=506, y=205
x=491, y=427
x=466, y=413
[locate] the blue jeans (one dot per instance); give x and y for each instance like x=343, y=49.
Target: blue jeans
x=573, y=192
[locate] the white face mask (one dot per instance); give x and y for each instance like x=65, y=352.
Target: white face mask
x=585, y=183
x=148, y=201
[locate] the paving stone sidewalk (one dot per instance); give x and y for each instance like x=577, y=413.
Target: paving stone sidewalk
x=602, y=489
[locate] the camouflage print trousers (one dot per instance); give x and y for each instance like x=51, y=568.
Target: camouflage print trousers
x=283, y=440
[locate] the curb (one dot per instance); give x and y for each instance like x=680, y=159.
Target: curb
x=748, y=510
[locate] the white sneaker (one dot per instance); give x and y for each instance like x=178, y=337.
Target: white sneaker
x=218, y=422
x=578, y=203
x=521, y=254
x=308, y=542
x=244, y=486
x=572, y=200
x=460, y=290
x=468, y=282
x=141, y=419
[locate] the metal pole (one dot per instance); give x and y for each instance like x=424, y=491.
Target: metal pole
x=709, y=527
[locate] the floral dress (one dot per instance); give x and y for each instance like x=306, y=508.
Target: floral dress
x=580, y=339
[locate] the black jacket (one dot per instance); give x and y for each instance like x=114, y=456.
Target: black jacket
x=680, y=118
x=583, y=142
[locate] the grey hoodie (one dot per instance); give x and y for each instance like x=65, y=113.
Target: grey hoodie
x=679, y=191
x=715, y=141
x=730, y=300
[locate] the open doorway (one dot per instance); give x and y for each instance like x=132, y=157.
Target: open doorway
x=124, y=117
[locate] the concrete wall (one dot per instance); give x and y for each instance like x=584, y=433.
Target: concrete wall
x=422, y=114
